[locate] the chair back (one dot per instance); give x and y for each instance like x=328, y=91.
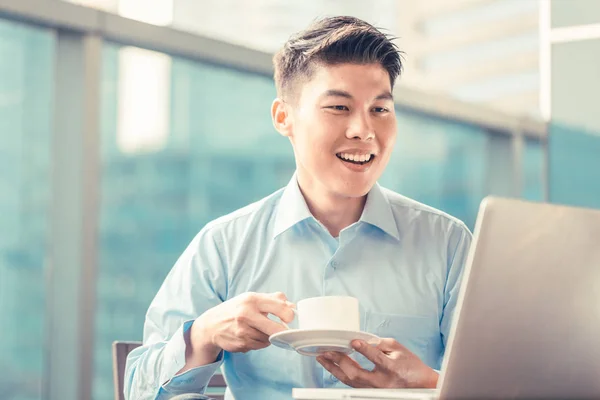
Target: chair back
x=120, y=350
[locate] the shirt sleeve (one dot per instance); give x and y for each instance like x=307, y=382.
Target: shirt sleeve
x=197, y=282
x=458, y=250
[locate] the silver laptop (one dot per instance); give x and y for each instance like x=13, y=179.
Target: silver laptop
x=527, y=322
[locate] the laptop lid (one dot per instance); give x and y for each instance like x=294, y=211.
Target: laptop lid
x=528, y=315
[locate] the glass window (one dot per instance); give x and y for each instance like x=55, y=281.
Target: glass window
x=574, y=12
x=498, y=86
x=440, y=163
x=533, y=170
x=467, y=18
x=483, y=52
x=575, y=100
x=574, y=166
x=500, y=162
x=26, y=76
x=182, y=143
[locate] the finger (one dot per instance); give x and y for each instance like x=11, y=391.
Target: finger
x=351, y=368
x=372, y=353
x=279, y=295
x=244, y=345
x=259, y=344
x=244, y=339
x=277, y=306
x=265, y=325
x=335, y=370
x=257, y=336
x=253, y=339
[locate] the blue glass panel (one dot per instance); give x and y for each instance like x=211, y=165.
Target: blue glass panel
x=574, y=157
x=533, y=170
x=218, y=152
x=439, y=162
x=26, y=74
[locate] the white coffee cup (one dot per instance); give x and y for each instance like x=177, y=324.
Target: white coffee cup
x=329, y=312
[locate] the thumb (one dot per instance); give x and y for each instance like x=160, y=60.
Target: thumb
x=389, y=344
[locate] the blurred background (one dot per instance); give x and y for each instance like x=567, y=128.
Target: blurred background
x=126, y=125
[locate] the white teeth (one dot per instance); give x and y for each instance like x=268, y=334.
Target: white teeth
x=356, y=157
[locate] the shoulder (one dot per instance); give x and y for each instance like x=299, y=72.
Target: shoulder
x=410, y=211
x=255, y=214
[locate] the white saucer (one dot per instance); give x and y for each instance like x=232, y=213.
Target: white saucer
x=312, y=342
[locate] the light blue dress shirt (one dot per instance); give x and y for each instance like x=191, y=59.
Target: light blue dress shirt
x=402, y=260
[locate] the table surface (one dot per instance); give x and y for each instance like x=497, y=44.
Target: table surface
x=363, y=394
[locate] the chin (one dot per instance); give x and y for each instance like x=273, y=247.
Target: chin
x=354, y=189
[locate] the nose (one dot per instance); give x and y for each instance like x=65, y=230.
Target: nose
x=360, y=127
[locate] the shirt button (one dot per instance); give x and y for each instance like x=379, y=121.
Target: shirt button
x=334, y=264
x=334, y=379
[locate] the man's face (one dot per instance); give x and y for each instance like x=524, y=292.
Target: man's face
x=342, y=128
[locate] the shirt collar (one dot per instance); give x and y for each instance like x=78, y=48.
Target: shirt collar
x=378, y=212
x=292, y=208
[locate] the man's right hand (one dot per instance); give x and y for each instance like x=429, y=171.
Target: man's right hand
x=238, y=325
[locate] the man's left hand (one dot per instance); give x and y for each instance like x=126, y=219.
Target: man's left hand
x=395, y=367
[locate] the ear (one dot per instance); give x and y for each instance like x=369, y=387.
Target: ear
x=282, y=119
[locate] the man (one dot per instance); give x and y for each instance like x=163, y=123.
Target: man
x=331, y=231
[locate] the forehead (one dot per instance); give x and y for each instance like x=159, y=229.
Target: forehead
x=360, y=80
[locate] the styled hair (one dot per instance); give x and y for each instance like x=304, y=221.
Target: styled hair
x=330, y=41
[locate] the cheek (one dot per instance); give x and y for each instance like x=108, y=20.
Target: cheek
x=318, y=137
x=387, y=143
x=386, y=128
x=312, y=144
x=388, y=138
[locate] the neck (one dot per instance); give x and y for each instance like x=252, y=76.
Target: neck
x=335, y=212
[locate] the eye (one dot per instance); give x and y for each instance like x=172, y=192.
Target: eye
x=380, y=110
x=338, y=108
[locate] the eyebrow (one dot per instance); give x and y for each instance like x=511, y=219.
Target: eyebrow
x=343, y=93
x=337, y=93
x=385, y=96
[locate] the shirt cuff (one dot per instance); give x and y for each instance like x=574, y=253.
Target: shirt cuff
x=193, y=380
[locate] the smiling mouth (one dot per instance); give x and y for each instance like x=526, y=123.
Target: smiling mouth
x=369, y=159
